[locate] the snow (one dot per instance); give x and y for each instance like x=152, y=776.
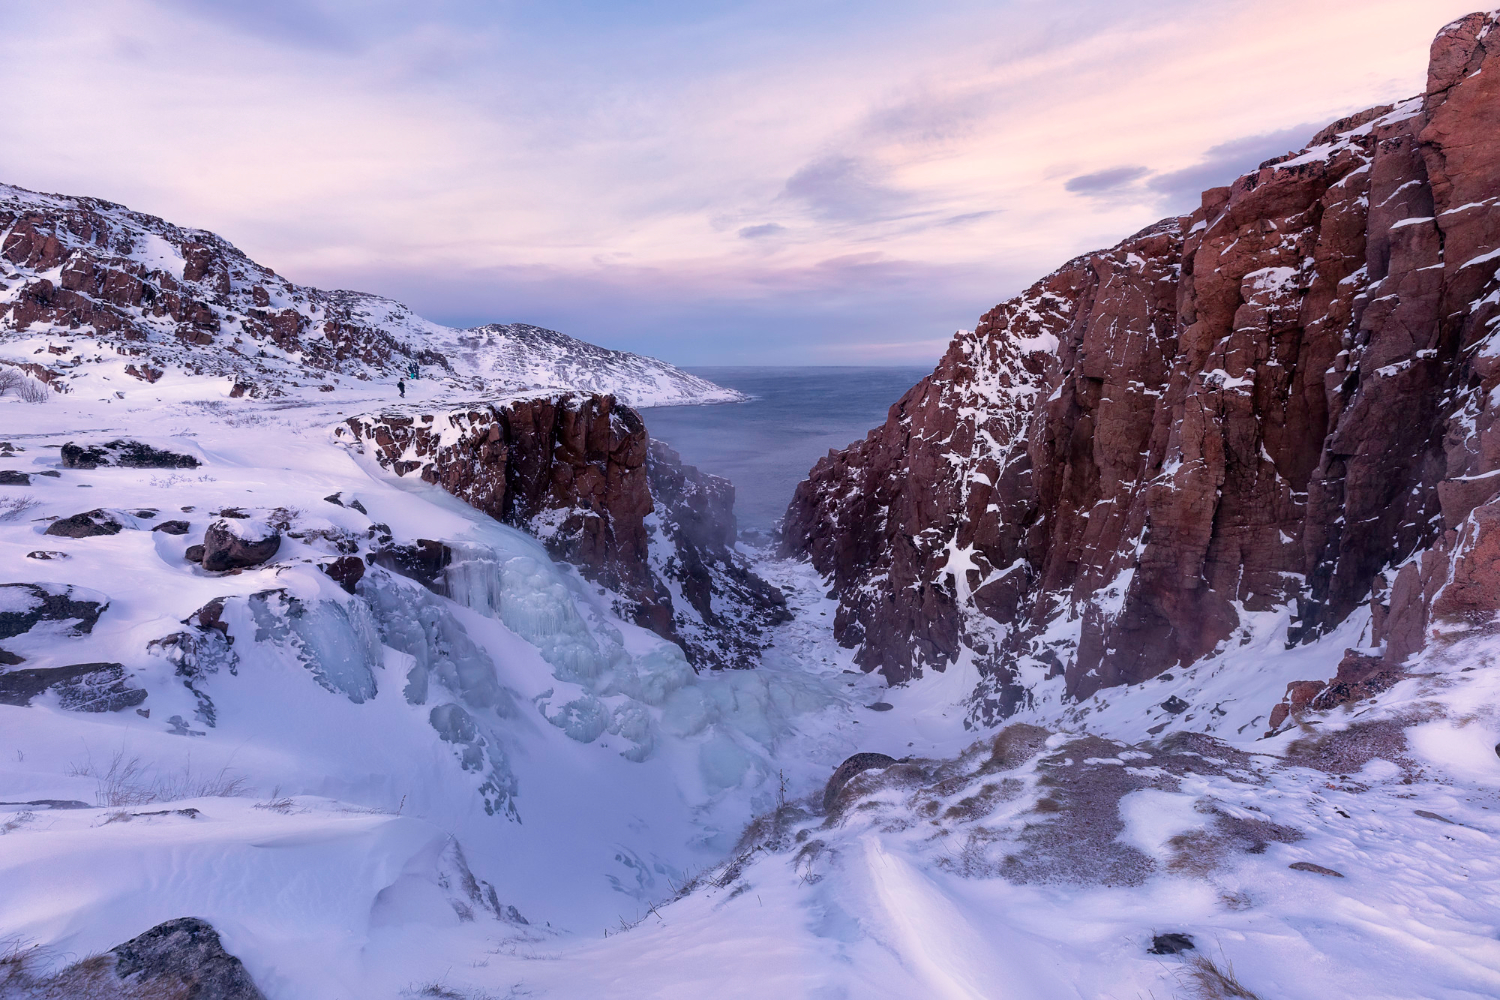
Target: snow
x=351, y=757
x=341, y=333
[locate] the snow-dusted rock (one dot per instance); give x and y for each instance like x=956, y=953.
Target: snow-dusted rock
x=239, y=543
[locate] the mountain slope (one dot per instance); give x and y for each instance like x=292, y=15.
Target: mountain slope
x=1278, y=403
x=166, y=297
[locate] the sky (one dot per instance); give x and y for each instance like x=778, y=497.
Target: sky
x=709, y=182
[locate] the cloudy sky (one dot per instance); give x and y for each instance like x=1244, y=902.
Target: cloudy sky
x=709, y=181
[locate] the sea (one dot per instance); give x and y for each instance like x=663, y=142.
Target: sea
x=794, y=417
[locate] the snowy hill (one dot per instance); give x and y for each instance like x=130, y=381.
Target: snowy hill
x=169, y=297
x=516, y=354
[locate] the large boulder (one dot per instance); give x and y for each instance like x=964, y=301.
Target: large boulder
x=126, y=454
x=86, y=525
x=239, y=544
x=181, y=959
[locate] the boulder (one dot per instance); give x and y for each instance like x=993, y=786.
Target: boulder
x=10, y=477
x=847, y=770
x=180, y=958
x=173, y=527
x=346, y=571
x=86, y=525
x=238, y=544
x=126, y=454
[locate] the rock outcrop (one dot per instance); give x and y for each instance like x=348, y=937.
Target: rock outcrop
x=1281, y=400
x=126, y=454
x=579, y=472
x=181, y=959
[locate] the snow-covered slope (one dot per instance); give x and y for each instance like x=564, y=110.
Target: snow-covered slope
x=522, y=355
x=82, y=269
x=454, y=780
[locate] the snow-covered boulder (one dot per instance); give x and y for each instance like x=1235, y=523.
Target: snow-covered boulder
x=239, y=543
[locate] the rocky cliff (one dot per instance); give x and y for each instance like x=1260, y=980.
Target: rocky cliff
x=1280, y=401
x=580, y=473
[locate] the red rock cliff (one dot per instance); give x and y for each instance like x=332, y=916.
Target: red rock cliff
x=580, y=473
x=1282, y=399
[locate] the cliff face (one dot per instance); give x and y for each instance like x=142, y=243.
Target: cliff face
x=580, y=473
x=1277, y=401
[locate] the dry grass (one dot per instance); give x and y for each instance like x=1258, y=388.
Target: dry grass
x=1204, y=979
x=17, y=821
x=23, y=387
x=277, y=802
x=12, y=507
x=129, y=781
x=442, y=991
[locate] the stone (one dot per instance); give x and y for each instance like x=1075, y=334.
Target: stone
x=184, y=955
x=86, y=525
x=173, y=527
x=846, y=771
x=193, y=553
x=346, y=571
x=228, y=545
x=1308, y=866
x=125, y=454
x=1172, y=943
x=10, y=477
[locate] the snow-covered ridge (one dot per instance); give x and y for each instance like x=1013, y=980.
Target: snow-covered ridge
x=524, y=355
x=170, y=297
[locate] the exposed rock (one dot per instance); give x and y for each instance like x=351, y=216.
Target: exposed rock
x=81, y=687
x=26, y=605
x=1173, y=943
x=126, y=454
x=423, y=562
x=847, y=770
x=10, y=477
x=234, y=545
x=1308, y=866
x=184, y=955
x=46, y=554
x=173, y=527
x=181, y=959
x=86, y=525
x=1299, y=694
x=193, y=553
x=580, y=474
x=729, y=605
x=1097, y=481
x=346, y=571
